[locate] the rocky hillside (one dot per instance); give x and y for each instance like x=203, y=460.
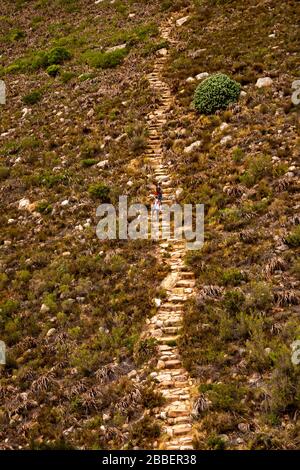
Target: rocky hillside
x=74, y=133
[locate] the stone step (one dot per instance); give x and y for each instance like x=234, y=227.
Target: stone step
x=167, y=339
x=178, y=429
x=186, y=283
x=171, y=307
x=172, y=364
x=170, y=329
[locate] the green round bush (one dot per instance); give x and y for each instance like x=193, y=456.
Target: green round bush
x=53, y=70
x=58, y=55
x=216, y=92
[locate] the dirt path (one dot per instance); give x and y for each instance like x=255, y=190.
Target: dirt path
x=172, y=379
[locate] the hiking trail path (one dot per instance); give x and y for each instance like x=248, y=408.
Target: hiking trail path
x=173, y=381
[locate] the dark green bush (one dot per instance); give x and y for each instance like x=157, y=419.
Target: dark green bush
x=216, y=92
x=293, y=239
x=100, y=191
x=4, y=172
x=58, y=55
x=33, y=97
x=53, y=70
x=105, y=60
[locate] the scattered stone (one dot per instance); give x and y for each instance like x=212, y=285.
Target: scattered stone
x=224, y=126
x=226, y=140
x=23, y=204
x=44, y=308
x=190, y=79
x=243, y=427
x=51, y=332
x=102, y=164
x=25, y=111
x=197, y=53
x=132, y=374
x=264, y=82
x=243, y=93
x=121, y=137
x=64, y=203
x=183, y=20
x=178, y=192
x=116, y=48
x=163, y=52
x=157, y=302
x=193, y=146
x=202, y=75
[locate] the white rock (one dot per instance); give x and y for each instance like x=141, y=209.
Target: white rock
x=44, y=308
x=25, y=111
x=193, y=146
x=64, y=203
x=243, y=93
x=157, y=302
x=121, y=137
x=264, y=82
x=90, y=113
x=23, y=204
x=102, y=164
x=51, y=332
x=202, y=75
x=131, y=15
x=129, y=183
x=163, y=51
x=223, y=126
x=131, y=374
x=226, y=140
x=183, y=20
x=116, y=48
x=190, y=79
x=178, y=192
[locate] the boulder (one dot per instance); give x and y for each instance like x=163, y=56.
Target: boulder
x=264, y=82
x=192, y=147
x=183, y=20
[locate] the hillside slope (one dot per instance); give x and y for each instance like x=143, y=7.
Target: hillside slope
x=74, y=133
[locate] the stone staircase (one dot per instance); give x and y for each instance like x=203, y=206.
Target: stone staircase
x=172, y=379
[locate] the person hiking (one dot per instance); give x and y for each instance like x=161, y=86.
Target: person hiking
x=158, y=193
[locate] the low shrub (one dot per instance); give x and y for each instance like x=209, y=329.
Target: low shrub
x=100, y=191
x=293, y=239
x=53, y=70
x=33, y=97
x=216, y=92
x=105, y=60
x=58, y=55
